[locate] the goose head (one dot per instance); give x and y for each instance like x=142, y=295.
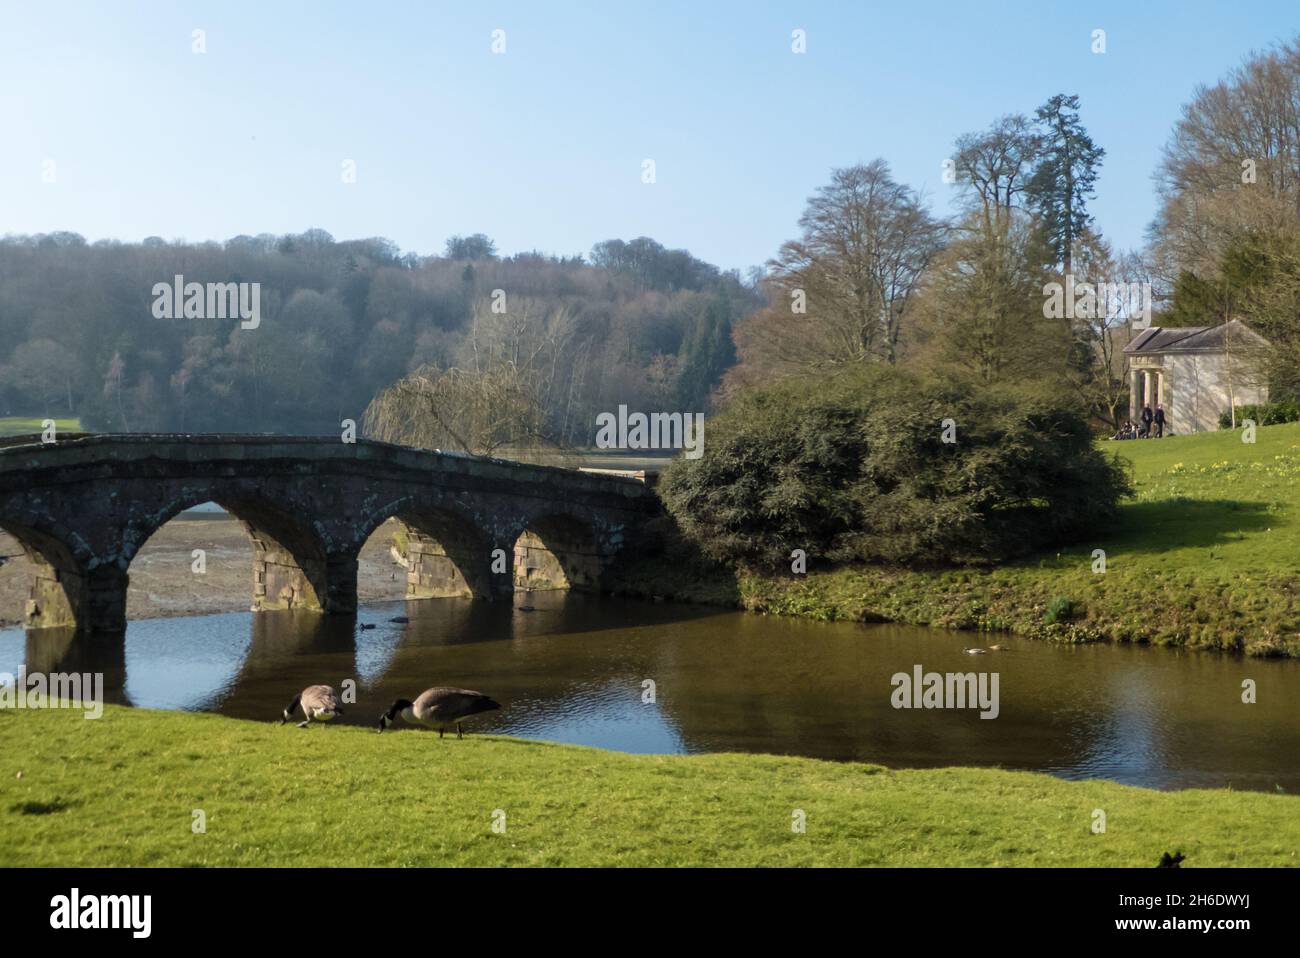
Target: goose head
x=385, y=720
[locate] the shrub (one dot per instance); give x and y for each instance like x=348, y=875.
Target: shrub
x=1060, y=609
x=1264, y=414
x=853, y=467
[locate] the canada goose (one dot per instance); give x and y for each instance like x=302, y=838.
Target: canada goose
x=365, y=625
x=973, y=651
x=399, y=618
x=438, y=707
x=318, y=703
x=997, y=648
x=1167, y=862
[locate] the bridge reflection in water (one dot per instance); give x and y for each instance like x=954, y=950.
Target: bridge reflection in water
x=574, y=669
x=247, y=665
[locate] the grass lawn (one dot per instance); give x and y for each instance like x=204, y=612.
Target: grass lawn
x=22, y=426
x=1206, y=554
x=122, y=791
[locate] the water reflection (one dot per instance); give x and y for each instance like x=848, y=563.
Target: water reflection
x=574, y=668
x=62, y=650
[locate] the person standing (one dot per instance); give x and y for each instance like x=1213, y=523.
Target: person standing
x=1147, y=417
x=1160, y=421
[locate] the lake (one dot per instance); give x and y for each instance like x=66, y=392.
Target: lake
x=575, y=668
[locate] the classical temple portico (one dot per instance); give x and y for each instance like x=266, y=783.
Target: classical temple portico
x=1197, y=373
x=1147, y=387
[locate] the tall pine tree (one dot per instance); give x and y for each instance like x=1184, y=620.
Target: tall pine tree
x=1063, y=181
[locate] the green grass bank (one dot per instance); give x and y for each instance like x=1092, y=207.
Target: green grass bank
x=27, y=425
x=1205, y=555
x=123, y=790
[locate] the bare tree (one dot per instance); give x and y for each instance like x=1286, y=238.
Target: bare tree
x=842, y=291
x=500, y=396
x=996, y=166
x=45, y=371
x=1232, y=164
x=456, y=409
x=113, y=386
x=1099, y=372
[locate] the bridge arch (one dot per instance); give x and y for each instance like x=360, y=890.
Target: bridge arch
x=308, y=504
x=447, y=554
x=58, y=587
x=557, y=550
x=289, y=567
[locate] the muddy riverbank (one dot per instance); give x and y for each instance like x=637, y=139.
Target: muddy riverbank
x=163, y=582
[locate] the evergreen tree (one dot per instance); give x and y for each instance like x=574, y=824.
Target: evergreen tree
x=707, y=353
x=1063, y=180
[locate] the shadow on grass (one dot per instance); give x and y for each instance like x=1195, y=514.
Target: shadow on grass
x=1179, y=523
x=42, y=808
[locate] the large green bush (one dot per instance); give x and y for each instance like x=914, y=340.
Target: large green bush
x=854, y=467
x=1264, y=414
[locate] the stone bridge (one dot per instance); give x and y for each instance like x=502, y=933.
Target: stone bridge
x=82, y=507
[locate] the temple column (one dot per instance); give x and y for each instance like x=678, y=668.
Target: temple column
x=1133, y=407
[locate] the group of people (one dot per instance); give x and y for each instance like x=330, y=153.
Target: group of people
x=1148, y=423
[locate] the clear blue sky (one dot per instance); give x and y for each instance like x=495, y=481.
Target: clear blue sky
x=541, y=148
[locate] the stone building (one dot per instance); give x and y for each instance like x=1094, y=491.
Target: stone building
x=1195, y=372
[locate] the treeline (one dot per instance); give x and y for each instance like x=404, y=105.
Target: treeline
x=1226, y=241
x=884, y=322
x=342, y=320
x=875, y=277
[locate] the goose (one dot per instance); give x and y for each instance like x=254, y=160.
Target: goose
x=439, y=707
x=997, y=648
x=973, y=651
x=318, y=703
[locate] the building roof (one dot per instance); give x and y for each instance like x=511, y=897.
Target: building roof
x=1170, y=339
